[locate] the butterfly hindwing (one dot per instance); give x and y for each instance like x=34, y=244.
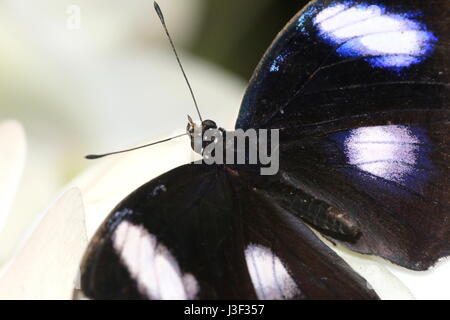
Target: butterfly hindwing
x=177, y=231
x=197, y=232
x=360, y=92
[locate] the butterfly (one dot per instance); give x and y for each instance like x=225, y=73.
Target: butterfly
x=358, y=92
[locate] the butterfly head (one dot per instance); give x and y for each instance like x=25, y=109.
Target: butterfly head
x=196, y=131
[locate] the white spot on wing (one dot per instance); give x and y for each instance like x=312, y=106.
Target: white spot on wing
x=190, y=285
x=370, y=31
x=405, y=42
x=270, y=278
x=379, y=151
x=329, y=12
x=348, y=17
x=150, y=263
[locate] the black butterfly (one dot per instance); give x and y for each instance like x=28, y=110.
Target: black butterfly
x=359, y=91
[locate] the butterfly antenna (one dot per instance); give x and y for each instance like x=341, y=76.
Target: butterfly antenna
x=163, y=22
x=97, y=156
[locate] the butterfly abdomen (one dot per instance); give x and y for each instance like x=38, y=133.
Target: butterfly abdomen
x=325, y=217
x=312, y=210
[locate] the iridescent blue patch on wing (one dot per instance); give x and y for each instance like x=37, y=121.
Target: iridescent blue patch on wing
x=385, y=39
x=304, y=18
x=276, y=63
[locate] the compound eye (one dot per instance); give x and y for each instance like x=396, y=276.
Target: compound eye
x=209, y=124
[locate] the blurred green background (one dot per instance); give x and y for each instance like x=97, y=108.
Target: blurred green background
x=235, y=34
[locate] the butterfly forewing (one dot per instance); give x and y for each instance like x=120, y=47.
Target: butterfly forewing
x=339, y=64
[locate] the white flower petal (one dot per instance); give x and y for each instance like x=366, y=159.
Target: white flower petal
x=432, y=284
x=12, y=160
x=375, y=271
x=48, y=264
